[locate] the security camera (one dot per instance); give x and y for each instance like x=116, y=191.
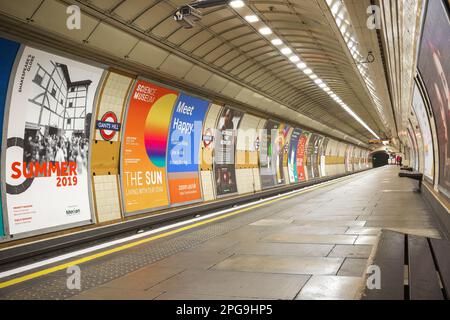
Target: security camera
x=186, y=16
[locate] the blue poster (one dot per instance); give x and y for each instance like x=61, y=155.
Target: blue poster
x=8, y=52
x=183, y=149
x=292, y=159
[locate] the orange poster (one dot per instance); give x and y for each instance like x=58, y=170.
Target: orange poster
x=144, y=174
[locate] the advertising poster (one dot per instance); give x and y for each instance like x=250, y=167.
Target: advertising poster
x=323, y=150
x=48, y=136
x=185, y=136
x=292, y=160
x=312, y=166
x=8, y=52
x=301, y=156
x=281, y=142
x=268, y=156
x=144, y=145
x=224, y=151
x=434, y=67
x=316, y=158
x=424, y=124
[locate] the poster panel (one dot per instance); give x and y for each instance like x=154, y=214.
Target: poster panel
x=425, y=130
x=224, y=151
x=348, y=158
x=8, y=52
x=434, y=67
x=144, y=145
x=322, y=155
x=48, y=136
x=301, y=155
x=281, y=140
x=414, y=148
x=267, y=155
x=185, y=136
x=292, y=159
x=316, y=158
x=313, y=157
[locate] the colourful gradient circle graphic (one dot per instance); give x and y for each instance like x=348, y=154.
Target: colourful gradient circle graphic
x=157, y=128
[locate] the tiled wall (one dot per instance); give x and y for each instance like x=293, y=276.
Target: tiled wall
x=106, y=154
x=206, y=166
x=107, y=198
x=246, y=154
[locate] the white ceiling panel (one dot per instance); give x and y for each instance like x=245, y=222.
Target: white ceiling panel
x=176, y=66
x=113, y=40
x=148, y=54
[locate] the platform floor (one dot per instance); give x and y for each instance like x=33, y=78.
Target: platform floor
x=310, y=246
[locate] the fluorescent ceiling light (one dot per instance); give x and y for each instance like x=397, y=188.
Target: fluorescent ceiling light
x=318, y=81
x=277, y=42
x=265, y=31
x=294, y=59
x=237, y=4
x=286, y=51
x=313, y=76
x=323, y=85
x=335, y=8
x=308, y=71
x=252, y=18
x=302, y=65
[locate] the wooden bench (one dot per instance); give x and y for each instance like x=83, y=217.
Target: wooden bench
x=414, y=176
x=411, y=268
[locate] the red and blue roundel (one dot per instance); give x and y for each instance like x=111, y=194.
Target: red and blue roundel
x=108, y=126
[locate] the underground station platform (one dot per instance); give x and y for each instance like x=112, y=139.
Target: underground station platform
x=222, y=158
x=313, y=243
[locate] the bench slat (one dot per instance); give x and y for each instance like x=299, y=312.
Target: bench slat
x=423, y=279
x=441, y=251
x=390, y=258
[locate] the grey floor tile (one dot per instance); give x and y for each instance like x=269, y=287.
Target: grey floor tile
x=313, y=239
x=272, y=222
x=371, y=240
x=363, y=230
x=229, y=283
x=190, y=260
x=267, y=248
x=330, y=223
x=144, y=278
x=325, y=217
x=353, y=267
x=314, y=230
x=281, y=264
x=216, y=245
x=351, y=251
x=330, y=288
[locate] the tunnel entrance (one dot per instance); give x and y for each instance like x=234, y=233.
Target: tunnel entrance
x=380, y=159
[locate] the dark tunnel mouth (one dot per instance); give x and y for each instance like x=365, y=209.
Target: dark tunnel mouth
x=380, y=159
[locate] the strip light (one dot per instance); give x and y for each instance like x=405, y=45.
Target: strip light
x=245, y=12
x=339, y=12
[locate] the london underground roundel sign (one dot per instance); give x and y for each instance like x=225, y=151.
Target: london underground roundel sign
x=108, y=126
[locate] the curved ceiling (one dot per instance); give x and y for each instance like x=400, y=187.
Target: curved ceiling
x=229, y=46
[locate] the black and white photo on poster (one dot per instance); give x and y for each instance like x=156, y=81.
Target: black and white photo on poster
x=224, y=151
x=48, y=131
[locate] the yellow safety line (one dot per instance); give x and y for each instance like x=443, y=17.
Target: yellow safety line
x=139, y=242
